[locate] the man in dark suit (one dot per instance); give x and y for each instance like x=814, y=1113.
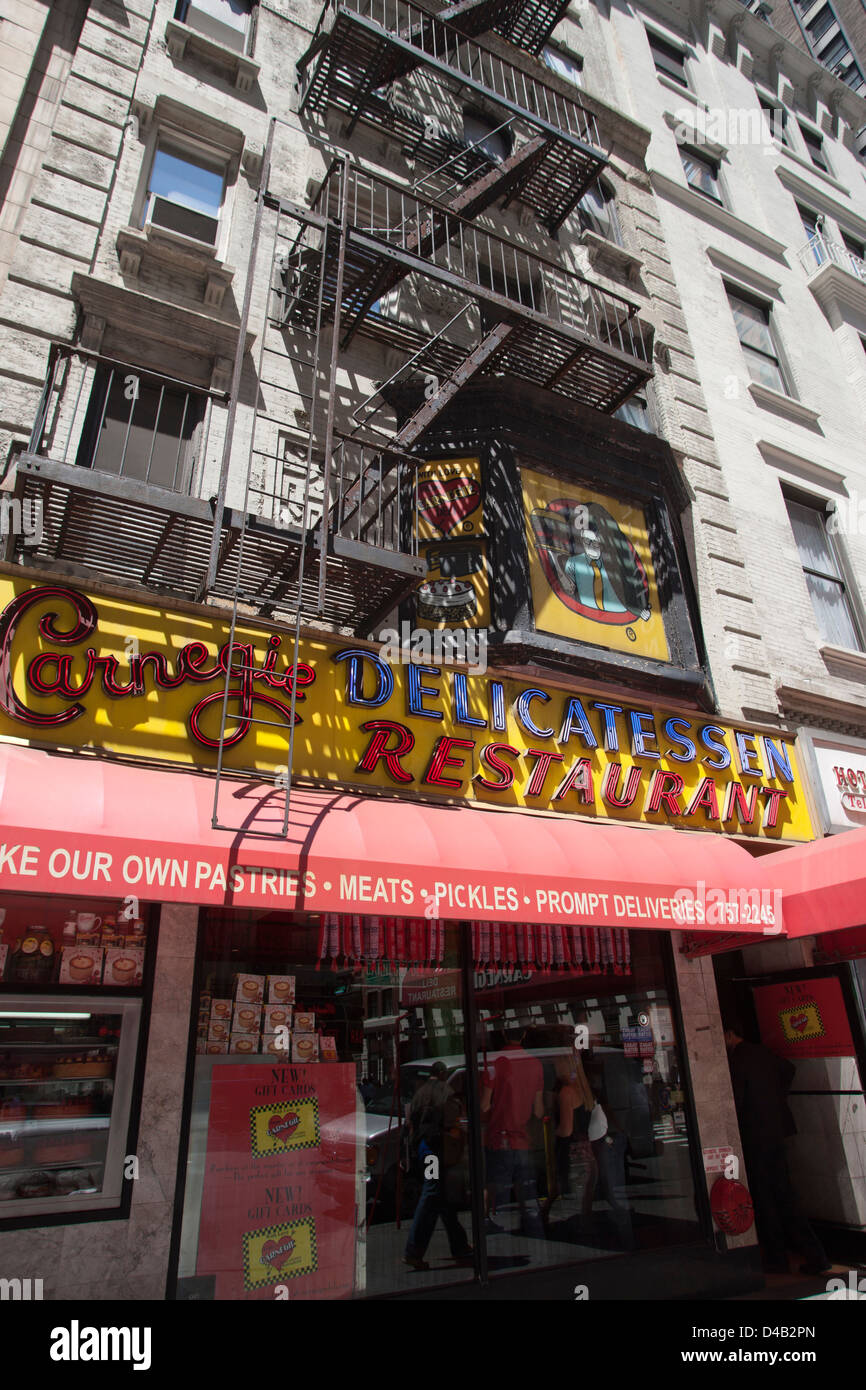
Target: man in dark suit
x=761, y=1082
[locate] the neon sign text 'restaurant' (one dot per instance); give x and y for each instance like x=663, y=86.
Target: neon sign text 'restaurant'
x=70, y=665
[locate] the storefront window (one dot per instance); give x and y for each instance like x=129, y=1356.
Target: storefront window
x=584, y=1126
x=331, y=1134
x=67, y=1051
x=304, y=1175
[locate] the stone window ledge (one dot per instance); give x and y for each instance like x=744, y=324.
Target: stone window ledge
x=180, y=39
x=783, y=405
x=607, y=254
x=851, y=662
x=176, y=253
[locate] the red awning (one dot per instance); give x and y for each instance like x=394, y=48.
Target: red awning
x=72, y=824
x=823, y=884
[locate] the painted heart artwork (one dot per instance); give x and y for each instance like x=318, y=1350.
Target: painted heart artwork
x=281, y=1126
x=445, y=502
x=799, y=1022
x=278, y=1252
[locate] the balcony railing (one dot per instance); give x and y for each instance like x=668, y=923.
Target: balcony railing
x=104, y=510
x=361, y=47
x=820, y=251
x=571, y=335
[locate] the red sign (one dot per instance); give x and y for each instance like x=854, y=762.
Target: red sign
x=732, y=1207
x=804, y=1018
x=278, y=1205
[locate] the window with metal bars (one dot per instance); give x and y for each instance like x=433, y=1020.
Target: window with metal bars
x=141, y=427
x=834, y=610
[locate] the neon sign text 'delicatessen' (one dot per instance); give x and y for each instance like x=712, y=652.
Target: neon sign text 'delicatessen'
x=51, y=673
x=71, y=671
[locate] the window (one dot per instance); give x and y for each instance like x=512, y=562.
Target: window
x=185, y=193
x=565, y=65
x=823, y=21
x=491, y=137
x=777, y=118
x=596, y=212
x=827, y=589
x=226, y=21
x=837, y=53
x=813, y=226
x=636, y=412
x=702, y=174
x=813, y=222
x=752, y=321
x=361, y=1044
x=670, y=61
x=853, y=245
x=142, y=427
x=815, y=145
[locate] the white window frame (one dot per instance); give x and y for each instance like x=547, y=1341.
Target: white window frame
x=807, y=152
x=218, y=31
x=574, y=59
x=193, y=147
x=738, y=291
x=824, y=508
x=653, y=32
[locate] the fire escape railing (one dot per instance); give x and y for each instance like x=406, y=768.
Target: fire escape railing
x=417, y=234
x=362, y=47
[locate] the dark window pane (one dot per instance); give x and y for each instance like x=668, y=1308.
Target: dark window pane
x=492, y=141
x=140, y=427
x=823, y=20
x=668, y=59
x=815, y=146
x=702, y=175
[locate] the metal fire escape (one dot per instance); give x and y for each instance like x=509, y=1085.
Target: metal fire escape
x=342, y=276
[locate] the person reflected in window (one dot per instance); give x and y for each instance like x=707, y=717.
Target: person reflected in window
x=611, y=1149
x=576, y=1167
x=436, y=1132
x=761, y=1081
x=512, y=1092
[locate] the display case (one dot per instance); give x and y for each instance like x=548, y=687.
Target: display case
x=66, y=1083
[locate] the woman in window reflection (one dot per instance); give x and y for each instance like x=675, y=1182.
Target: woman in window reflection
x=576, y=1167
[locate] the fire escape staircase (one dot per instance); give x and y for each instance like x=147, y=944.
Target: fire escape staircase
x=361, y=50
